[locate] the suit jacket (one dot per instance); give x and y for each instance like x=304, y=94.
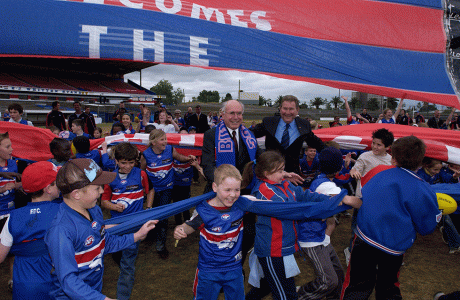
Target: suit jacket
x=201, y=124
x=268, y=129
x=208, y=159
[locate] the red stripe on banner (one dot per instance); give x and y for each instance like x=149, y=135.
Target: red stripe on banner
x=353, y=21
x=90, y=255
x=450, y=100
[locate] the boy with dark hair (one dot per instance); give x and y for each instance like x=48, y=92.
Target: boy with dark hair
x=16, y=112
x=382, y=139
x=397, y=204
x=123, y=196
x=309, y=166
x=77, y=240
x=25, y=229
x=77, y=129
x=82, y=145
x=221, y=227
x=60, y=148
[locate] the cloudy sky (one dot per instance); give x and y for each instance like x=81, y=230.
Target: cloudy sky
x=193, y=80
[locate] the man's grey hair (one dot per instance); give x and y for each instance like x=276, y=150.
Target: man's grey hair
x=224, y=105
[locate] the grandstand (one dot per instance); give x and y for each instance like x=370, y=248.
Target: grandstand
x=69, y=79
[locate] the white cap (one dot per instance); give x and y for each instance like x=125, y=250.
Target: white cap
x=328, y=188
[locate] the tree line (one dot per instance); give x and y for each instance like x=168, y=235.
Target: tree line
x=175, y=97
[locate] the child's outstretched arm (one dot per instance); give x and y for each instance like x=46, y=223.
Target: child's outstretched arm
x=353, y=201
x=182, y=231
x=141, y=234
x=182, y=158
x=198, y=167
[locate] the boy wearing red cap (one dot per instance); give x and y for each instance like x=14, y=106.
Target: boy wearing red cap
x=25, y=229
x=77, y=240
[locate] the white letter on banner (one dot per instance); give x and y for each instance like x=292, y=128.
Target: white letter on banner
x=195, y=51
x=260, y=23
x=177, y=6
x=157, y=45
x=208, y=12
x=234, y=18
x=130, y=4
x=94, y=39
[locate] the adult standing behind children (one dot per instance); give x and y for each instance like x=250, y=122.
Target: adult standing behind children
x=77, y=240
x=123, y=196
x=229, y=134
x=287, y=132
x=157, y=161
x=393, y=193
x=56, y=117
x=199, y=120
x=25, y=230
x=16, y=112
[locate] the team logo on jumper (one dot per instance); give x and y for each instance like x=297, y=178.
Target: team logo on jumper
x=89, y=241
x=216, y=229
x=225, y=217
x=123, y=181
x=153, y=165
x=5, y=168
x=94, y=225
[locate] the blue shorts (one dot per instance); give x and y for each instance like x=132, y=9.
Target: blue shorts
x=207, y=285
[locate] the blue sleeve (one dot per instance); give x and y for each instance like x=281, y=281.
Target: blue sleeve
x=321, y=208
x=424, y=212
x=114, y=243
x=107, y=163
x=447, y=178
x=62, y=253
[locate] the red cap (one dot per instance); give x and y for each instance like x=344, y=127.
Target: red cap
x=38, y=175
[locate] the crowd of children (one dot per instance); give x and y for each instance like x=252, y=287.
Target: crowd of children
x=59, y=239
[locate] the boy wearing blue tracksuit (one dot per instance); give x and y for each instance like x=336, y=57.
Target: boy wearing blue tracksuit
x=314, y=235
x=396, y=205
x=77, y=240
x=123, y=196
x=25, y=229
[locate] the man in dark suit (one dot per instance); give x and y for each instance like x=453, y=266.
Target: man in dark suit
x=199, y=120
x=233, y=119
x=287, y=132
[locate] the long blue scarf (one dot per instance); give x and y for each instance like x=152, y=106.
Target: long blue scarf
x=282, y=210
x=225, y=147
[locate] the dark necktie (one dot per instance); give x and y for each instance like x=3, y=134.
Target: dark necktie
x=285, y=137
x=235, y=141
